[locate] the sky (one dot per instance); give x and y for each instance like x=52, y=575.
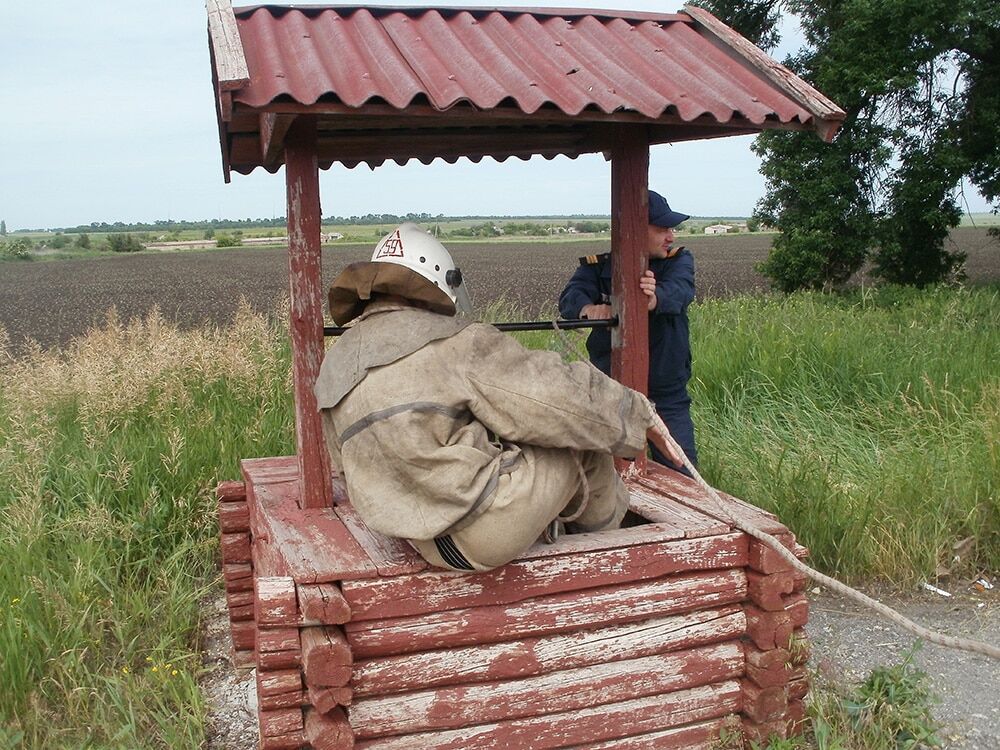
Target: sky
x=108, y=115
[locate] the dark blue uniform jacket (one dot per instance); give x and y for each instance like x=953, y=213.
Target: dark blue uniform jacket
x=669, y=339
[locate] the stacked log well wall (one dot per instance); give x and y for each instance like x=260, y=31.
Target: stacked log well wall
x=657, y=636
x=237, y=567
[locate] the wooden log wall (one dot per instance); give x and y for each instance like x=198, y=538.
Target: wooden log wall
x=656, y=636
x=237, y=569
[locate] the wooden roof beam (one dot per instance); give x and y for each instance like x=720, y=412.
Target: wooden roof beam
x=230, y=62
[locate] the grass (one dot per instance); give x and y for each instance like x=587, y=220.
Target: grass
x=868, y=422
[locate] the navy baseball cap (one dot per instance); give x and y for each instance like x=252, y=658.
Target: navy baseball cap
x=660, y=214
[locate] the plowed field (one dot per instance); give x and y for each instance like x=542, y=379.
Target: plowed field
x=51, y=302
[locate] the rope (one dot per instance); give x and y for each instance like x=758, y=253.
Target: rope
x=932, y=636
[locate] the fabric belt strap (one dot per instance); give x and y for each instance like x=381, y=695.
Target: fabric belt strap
x=451, y=554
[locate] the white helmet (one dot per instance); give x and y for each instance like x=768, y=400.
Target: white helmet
x=411, y=247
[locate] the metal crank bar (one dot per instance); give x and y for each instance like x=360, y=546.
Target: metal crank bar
x=527, y=325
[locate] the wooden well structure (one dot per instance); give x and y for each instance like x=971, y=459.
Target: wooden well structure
x=655, y=636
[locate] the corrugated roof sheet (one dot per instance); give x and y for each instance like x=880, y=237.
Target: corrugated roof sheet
x=581, y=63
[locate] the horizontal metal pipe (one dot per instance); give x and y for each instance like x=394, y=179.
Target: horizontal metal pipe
x=528, y=325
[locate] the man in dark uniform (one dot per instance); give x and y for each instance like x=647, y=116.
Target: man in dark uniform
x=669, y=287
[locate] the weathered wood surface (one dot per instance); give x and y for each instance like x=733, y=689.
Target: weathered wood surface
x=323, y=604
x=306, y=308
x=686, y=491
x=227, y=47
x=629, y=241
x=277, y=639
x=243, y=635
x=594, y=724
x=391, y=557
x=231, y=491
x=314, y=544
x=534, y=656
x=328, y=731
x=270, y=470
x=657, y=507
x=272, y=660
x=325, y=699
x=546, y=615
x=234, y=517
x=276, y=603
x=235, y=547
x=702, y=735
x=557, y=692
x=435, y=590
x=280, y=721
x=289, y=741
x=326, y=657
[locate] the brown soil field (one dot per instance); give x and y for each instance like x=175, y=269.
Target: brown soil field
x=52, y=302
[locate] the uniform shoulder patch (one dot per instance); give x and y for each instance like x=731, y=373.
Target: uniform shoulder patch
x=593, y=260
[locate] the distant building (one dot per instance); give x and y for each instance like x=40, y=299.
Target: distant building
x=718, y=229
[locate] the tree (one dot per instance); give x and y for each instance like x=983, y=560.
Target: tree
x=3, y=228
x=918, y=80
x=82, y=241
x=122, y=243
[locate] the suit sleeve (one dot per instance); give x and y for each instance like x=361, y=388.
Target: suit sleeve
x=533, y=397
x=583, y=288
x=675, y=287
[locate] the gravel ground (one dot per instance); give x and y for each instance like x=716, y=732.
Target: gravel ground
x=54, y=301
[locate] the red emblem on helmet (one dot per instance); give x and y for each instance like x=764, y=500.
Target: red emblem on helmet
x=391, y=247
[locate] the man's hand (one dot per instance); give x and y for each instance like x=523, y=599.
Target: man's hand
x=647, y=283
x=653, y=435
x=596, y=312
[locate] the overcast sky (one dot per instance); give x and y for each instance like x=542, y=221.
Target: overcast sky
x=108, y=115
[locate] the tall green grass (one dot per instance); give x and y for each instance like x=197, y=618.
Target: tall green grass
x=869, y=423
x=109, y=452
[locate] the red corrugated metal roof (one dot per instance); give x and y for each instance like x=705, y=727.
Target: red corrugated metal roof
x=573, y=61
x=583, y=66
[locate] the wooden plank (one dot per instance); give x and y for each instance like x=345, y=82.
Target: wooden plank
x=534, y=656
x=326, y=657
x=686, y=491
x=574, y=544
x=273, y=128
x=231, y=492
x=306, y=308
x=391, y=557
x=270, y=469
x=277, y=639
x=314, y=544
x=243, y=634
x=279, y=722
x=546, y=615
x=629, y=240
x=557, y=692
x=328, y=731
x=267, y=558
x=279, y=681
x=230, y=62
x=237, y=571
x=235, y=548
x=655, y=506
x=702, y=735
x=288, y=741
x=595, y=724
x=275, y=602
x=273, y=660
x=234, y=517
x=323, y=604
x=434, y=590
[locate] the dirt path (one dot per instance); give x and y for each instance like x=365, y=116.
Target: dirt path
x=847, y=642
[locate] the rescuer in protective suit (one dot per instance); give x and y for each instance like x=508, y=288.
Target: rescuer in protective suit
x=452, y=435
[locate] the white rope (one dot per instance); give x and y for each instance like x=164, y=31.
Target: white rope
x=932, y=636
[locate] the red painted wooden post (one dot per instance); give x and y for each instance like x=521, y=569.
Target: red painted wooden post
x=305, y=282
x=629, y=237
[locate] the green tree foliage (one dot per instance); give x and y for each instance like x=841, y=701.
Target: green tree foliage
x=3, y=228
x=122, y=243
x=920, y=83
x=82, y=241
x=228, y=240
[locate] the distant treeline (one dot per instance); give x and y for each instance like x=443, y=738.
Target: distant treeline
x=167, y=225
